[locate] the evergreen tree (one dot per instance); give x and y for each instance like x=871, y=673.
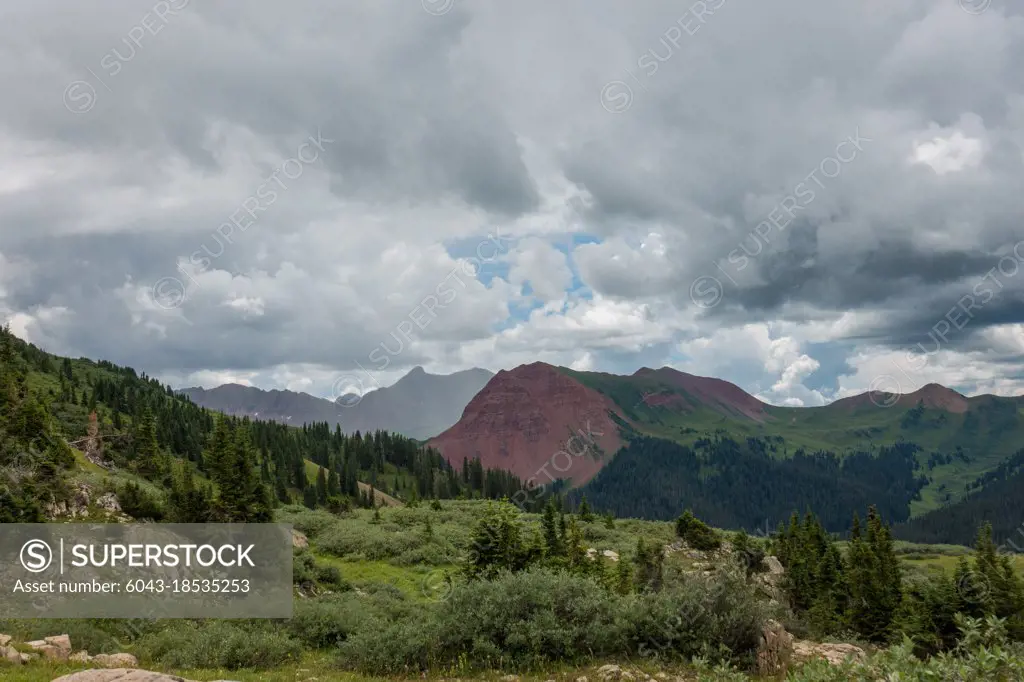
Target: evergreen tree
x=497, y=544
x=586, y=515
x=696, y=533
x=188, y=502
x=309, y=497
x=623, y=576
x=241, y=497
x=874, y=579
x=150, y=461
x=552, y=541
x=649, y=562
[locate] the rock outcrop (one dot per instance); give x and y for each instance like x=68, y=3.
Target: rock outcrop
x=114, y=661
x=833, y=652
x=58, y=648
x=779, y=651
x=119, y=675
x=81, y=505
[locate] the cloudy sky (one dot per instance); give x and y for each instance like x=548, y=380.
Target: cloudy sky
x=810, y=199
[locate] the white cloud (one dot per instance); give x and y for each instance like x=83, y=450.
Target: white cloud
x=535, y=262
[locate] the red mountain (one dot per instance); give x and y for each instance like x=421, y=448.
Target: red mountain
x=538, y=423
x=932, y=396
x=715, y=393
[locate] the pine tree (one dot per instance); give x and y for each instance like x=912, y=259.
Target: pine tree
x=149, y=461
x=575, y=550
x=874, y=579
x=309, y=497
x=998, y=587
x=497, y=544
x=830, y=600
x=623, y=576
x=696, y=533
x=241, y=497
x=649, y=563
x=188, y=502
x=552, y=542
x=586, y=516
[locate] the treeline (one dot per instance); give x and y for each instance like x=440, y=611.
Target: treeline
x=741, y=485
x=863, y=590
x=1000, y=503
x=200, y=458
x=33, y=454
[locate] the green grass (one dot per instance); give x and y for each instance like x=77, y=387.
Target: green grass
x=318, y=665
x=415, y=582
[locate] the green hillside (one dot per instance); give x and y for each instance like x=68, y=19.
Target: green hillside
x=951, y=449
x=66, y=423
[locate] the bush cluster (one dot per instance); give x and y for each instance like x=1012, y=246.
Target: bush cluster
x=538, y=616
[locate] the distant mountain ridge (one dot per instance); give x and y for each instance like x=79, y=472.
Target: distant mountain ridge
x=525, y=419
x=419, y=405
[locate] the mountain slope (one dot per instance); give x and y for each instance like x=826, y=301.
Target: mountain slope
x=518, y=422
x=736, y=484
x=419, y=405
x=997, y=500
x=527, y=419
x=248, y=401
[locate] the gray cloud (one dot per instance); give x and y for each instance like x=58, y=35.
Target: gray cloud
x=127, y=140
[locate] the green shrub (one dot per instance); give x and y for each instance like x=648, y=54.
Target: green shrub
x=307, y=521
x=525, y=619
x=328, y=621
x=139, y=503
x=219, y=644
x=719, y=618
x=696, y=533
x=389, y=647
x=538, y=617
x=307, y=571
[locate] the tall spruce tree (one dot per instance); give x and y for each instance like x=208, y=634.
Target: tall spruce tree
x=586, y=515
x=552, y=541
